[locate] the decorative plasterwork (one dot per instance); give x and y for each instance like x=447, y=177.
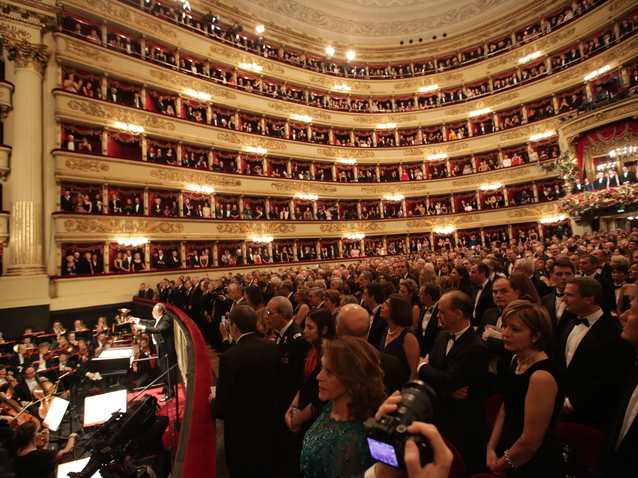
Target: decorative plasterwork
x=124, y=115
x=186, y=82
x=394, y=188
x=5, y=154
x=256, y=228
x=435, y=149
x=329, y=82
x=384, y=119
x=238, y=58
x=197, y=179
x=599, y=117
x=488, y=102
x=21, y=51
x=352, y=227
x=250, y=141
x=122, y=226
x=443, y=78
x=543, y=210
x=456, y=220
x=82, y=49
x=604, y=147
x=298, y=110
x=530, y=130
x=299, y=187
x=345, y=153
x=492, y=177
x=89, y=165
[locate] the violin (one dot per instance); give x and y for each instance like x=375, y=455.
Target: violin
x=11, y=408
x=44, y=391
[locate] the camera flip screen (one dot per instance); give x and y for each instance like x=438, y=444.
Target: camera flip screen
x=383, y=452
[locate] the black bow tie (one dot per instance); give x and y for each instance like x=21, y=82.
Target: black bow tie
x=618, y=286
x=559, y=295
x=479, y=287
x=451, y=337
x=578, y=321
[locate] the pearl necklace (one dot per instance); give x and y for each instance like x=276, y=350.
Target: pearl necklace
x=521, y=362
x=393, y=331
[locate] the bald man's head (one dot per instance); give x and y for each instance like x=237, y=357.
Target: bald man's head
x=353, y=321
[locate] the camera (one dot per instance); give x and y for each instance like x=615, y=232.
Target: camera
x=388, y=435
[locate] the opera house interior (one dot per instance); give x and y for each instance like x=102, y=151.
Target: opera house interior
x=221, y=142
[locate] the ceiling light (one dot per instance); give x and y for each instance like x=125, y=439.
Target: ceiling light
x=445, y=230
x=309, y=197
x=358, y=236
x=479, y=112
x=387, y=126
x=302, y=118
x=330, y=51
x=350, y=55
x=624, y=153
x=540, y=136
x=396, y=197
x=199, y=95
x=131, y=128
x=202, y=189
x=433, y=157
x=348, y=161
x=260, y=29
x=425, y=89
x=549, y=220
x=598, y=72
x=252, y=149
x=262, y=239
x=342, y=86
x=490, y=187
x=132, y=241
x=531, y=56
x=251, y=66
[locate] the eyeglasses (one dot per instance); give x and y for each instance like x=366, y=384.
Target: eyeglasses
x=268, y=312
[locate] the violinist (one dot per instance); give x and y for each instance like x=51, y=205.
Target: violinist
x=83, y=350
x=70, y=337
x=20, y=359
x=63, y=344
x=6, y=378
x=34, y=462
x=98, y=342
x=66, y=364
x=23, y=390
x=42, y=359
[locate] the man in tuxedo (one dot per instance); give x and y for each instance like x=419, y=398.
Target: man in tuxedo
x=66, y=201
x=315, y=298
x=456, y=369
x=285, y=290
x=354, y=321
x=247, y=394
x=562, y=270
x=160, y=328
x=527, y=267
x=373, y=296
x=591, y=355
x=293, y=349
x=479, y=274
x=604, y=267
x=428, y=326
x=160, y=260
x=18, y=362
x=402, y=271
x=23, y=390
x=137, y=100
x=577, y=187
x=619, y=458
x=601, y=182
x=194, y=259
x=627, y=176
x=510, y=262
x=115, y=205
x=145, y=291
x=96, y=264
x=70, y=143
x=588, y=265
x=113, y=95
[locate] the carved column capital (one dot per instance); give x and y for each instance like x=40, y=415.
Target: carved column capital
x=27, y=55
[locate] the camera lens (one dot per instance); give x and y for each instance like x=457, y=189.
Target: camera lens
x=417, y=404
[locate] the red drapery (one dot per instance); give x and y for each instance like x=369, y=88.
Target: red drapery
x=607, y=133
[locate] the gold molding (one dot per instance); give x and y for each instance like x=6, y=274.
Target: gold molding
x=184, y=81
x=238, y=57
x=492, y=177
x=455, y=220
x=300, y=187
x=443, y=78
x=298, y=110
x=122, y=226
x=345, y=153
x=394, y=118
x=482, y=103
x=551, y=208
x=256, y=228
x=114, y=113
x=83, y=50
x=532, y=129
x=435, y=149
x=90, y=165
x=352, y=227
x=21, y=51
x=257, y=142
x=192, y=177
x=329, y=83
x=604, y=147
x=394, y=188
x=609, y=113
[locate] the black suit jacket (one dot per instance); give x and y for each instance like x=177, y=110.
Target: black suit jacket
x=21, y=392
x=596, y=373
x=293, y=349
x=622, y=462
x=426, y=339
x=247, y=393
x=14, y=363
x=460, y=421
x=376, y=329
x=163, y=336
x=485, y=302
x=549, y=302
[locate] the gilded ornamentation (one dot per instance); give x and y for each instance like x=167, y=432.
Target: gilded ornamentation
x=251, y=142
x=604, y=147
x=352, y=227
x=183, y=81
x=451, y=147
x=114, y=113
x=22, y=52
x=298, y=110
x=551, y=208
x=536, y=128
x=121, y=226
x=438, y=221
x=483, y=103
x=330, y=83
x=611, y=112
x=493, y=177
x=191, y=177
x=256, y=228
x=385, y=119
x=441, y=79
x=619, y=4
x=345, y=153
x=394, y=188
x=105, y=6
x=90, y=165
x=83, y=50
x=300, y=187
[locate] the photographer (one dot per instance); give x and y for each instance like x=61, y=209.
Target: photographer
x=442, y=456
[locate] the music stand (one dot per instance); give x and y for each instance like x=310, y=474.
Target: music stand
x=113, y=361
x=65, y=468
x=83, y=335
x=99, y=408
x=56, y=413
x=7, y=348
x=50, y=338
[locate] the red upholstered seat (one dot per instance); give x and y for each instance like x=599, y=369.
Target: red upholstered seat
x=585, y=440
x=458, y=465
x=485, y=475
x=492, y=405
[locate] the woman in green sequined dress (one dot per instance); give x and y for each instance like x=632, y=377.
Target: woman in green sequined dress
x=351, y=380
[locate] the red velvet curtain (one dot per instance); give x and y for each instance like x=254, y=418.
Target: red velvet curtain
x=607, y=133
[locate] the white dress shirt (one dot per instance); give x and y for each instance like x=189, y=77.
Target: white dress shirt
x=630, y=415
x=578, y=333
x=427, y=316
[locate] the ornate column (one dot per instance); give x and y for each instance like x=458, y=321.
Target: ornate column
x=26, y=236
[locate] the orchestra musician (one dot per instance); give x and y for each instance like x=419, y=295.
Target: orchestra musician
x=57, y=329
x=143, y=371
x=20, y=359
x=42, y=359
